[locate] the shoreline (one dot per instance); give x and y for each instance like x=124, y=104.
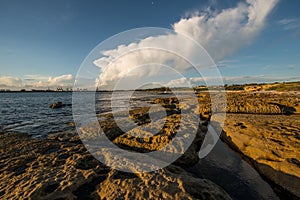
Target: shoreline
x=279, y=190
x=61, y=167
x=61, y=137
x=67, y=152
x=283, y=184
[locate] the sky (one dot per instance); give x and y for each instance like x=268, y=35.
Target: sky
x=43, y=43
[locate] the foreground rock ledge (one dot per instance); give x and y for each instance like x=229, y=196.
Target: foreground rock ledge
x=271, y=143
x=61, y=168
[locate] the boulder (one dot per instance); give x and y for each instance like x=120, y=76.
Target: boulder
x=58, y=104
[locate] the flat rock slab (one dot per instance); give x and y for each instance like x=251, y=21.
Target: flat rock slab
x=272, y=142
x=61, y=168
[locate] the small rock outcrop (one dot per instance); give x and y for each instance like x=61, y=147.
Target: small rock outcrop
x=59, y=104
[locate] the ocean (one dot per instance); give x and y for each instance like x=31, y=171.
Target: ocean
x=29, y=112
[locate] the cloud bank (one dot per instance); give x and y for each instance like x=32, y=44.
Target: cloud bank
x=221, y=33
x=59, y=81
x=10, y=82
x=234, y=80
x=36, y=82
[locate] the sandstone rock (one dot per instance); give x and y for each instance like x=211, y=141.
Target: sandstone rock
x=169, y=183
x=57, y=168
x=271, y=143
x=250, y=102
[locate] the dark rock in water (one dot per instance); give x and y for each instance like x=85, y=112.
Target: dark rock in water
x=59, y=104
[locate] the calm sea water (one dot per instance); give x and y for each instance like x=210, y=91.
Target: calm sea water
x=239, y=179
x=30, y=113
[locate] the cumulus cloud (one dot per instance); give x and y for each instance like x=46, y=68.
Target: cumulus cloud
x=143, y=62
x=220, y=33
x=187, y=82
x=59, y=81
x=7, y=82
x=62, y=80
x=36, y=82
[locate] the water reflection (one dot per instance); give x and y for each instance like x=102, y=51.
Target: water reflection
x=225, y=168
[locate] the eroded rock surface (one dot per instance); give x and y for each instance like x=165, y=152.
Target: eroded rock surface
x=169, y=183
x=60, y=167
x=251, y=102
x=271, y=143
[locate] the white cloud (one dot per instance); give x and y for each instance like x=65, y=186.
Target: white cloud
x=232, y=80
x=34, y=77
x=181, y=82
x=59, y=81
x=36, y=82
x=188, y=82
x=287, y=21
x=7, y=82
x=227, y=61
x=290, y=23
x=220, y=33
x=259, y=79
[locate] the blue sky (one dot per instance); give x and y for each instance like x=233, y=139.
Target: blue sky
x=43, y=39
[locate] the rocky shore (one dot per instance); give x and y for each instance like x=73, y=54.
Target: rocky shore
x=262, y=127
x=60, y=167
x=271, y=143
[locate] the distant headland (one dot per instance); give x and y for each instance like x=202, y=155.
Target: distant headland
x=275, y=86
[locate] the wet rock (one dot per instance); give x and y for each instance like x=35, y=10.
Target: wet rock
x=59, y=104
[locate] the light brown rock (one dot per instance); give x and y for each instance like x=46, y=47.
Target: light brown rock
x=271, y=142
